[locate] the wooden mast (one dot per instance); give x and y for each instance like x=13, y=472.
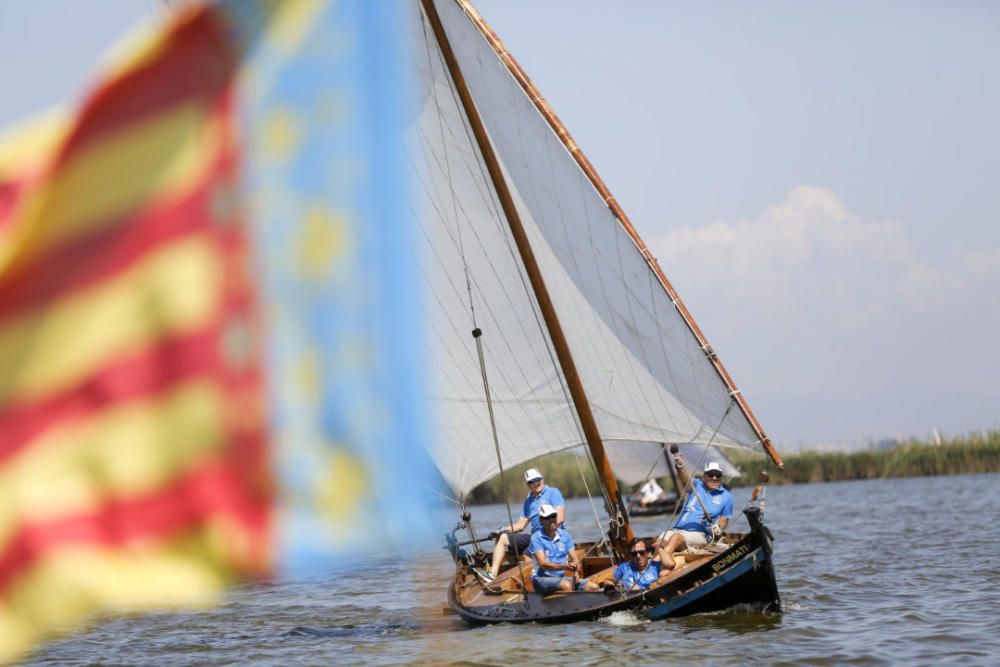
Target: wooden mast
x=564, y=136
x=613, y=501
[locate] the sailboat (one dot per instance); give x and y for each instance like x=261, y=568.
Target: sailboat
x=551, y=326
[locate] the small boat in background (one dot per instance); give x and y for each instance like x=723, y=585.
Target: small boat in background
x=666, y=503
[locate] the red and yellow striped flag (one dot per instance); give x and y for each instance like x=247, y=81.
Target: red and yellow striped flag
x=231, y=182
x=23, y=151
x=132, y=458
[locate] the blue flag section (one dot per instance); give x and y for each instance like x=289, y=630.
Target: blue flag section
x=334, y=261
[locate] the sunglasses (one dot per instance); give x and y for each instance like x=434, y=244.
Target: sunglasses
x=714, y=475
x=640, y=552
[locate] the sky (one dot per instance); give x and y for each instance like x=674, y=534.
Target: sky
x=819, y=180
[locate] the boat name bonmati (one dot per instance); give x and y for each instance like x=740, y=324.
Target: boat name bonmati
x=731, y=558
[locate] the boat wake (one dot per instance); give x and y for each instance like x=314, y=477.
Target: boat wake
x=624, y=619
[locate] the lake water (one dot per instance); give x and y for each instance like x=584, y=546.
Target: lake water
x=870, y=572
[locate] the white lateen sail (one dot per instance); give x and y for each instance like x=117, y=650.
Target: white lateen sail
x=645, y=374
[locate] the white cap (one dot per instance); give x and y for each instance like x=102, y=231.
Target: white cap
x=531, y=474
x=713, y=465
x=545, y=510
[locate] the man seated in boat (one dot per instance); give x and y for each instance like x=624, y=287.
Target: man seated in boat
x=557, y=567
x=650, y=493
x=638, y=573
x=707, y=511
x=538, y=495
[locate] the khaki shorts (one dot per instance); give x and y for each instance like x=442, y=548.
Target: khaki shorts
x=692, y=538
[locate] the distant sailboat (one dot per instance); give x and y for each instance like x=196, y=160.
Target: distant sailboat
x=550, y=325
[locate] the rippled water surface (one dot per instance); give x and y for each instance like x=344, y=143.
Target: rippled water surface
x=870, y=572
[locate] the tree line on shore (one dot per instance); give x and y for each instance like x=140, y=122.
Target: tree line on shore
x=978, y=453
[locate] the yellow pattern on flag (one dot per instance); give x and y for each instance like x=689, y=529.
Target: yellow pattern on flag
x=24, y=146
x=175, y=290
x=86, y=461
x=165, y=157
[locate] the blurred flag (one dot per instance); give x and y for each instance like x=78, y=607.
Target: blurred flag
x=23, y=149
x=205, y=339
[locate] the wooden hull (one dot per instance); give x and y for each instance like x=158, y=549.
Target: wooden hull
x=741, y=574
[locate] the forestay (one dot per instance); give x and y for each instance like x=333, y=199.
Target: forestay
x=645, y=374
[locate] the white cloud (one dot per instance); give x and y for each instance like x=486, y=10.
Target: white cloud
x=927, y=288
x=983, y=262
x=818, y=306
x=810, y=247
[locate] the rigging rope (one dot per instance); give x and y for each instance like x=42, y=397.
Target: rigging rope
x=477, y=334
x=488, y=197
x=597, y=516
x=476, y=331
x=535, y=312
x=690, y=483
x=616, y=519
x=498, y=217
x=438, y=493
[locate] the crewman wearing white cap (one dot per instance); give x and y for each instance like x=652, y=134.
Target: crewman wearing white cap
x=706, y=514
x=556, y=566
x=538, y=495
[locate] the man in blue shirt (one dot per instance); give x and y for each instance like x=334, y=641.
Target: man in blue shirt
x=638, y=573
x=539, y=494
x=557, y=566
x=693, y=527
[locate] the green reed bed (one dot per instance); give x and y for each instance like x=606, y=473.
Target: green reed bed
x=561, y=470
x=968, y=454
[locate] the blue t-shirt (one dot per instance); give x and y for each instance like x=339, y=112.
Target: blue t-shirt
x=557, y=550
x=719, y=503
x=550, y=495
x=630, y=576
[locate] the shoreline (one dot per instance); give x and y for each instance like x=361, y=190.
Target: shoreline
x=978, y=453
